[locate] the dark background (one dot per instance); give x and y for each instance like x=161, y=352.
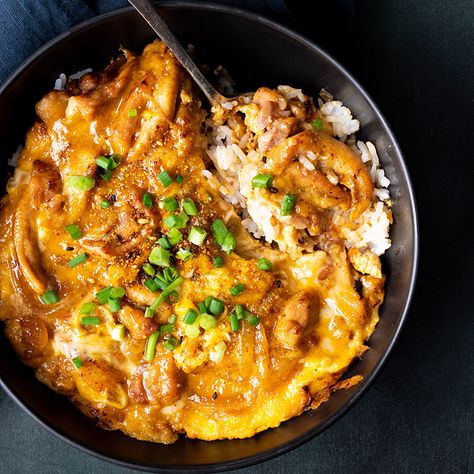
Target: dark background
x=416, y=60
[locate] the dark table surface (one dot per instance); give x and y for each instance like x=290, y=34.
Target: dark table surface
x=416, y=59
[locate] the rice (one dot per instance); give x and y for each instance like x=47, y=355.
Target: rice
x=60, y=83
x=236, y=170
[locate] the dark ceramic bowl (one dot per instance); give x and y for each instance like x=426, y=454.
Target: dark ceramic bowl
x=257, y=52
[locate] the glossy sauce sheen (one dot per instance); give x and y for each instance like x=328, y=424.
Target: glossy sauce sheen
x=313, y=318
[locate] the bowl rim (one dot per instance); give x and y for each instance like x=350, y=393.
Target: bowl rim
x=367, y=382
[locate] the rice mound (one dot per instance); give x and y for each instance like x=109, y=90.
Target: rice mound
x=234, y=170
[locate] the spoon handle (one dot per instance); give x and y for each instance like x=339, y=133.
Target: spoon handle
x=153, y=18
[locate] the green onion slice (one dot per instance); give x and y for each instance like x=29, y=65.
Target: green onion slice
x=104, y=163
x=150, y=311
x=317, y=124
x=90, y=321
x=151, y=346
x=190, y=316
x=262, y=181
x=159, y=256
x=151, y=285
x=170, y=344
x=77, y=361
x=164, y=178
x=192, y=331
x=118, y=332
x=229, y=243
x=179, y=179
x=149, y=269
x=132, y=113
x=216, y=306
x=49, y=297
x=264, y=264
x=234, y=322
x=189, y=207
x=197, y=235
x=172, y=319
x=78, y=260
x=237, y=289
x=104, y=203
x=74, y=231
x=167, y=329
x=251, y=318
x=217, y=352
x=148, y=200
x=117, y=293
x=206, y=321
x=114, y=305
x=287, y=204
x=174, y=236
x=239, y=311
x=104, y=294
x=184, y=254
x=202, y=307
x=170, y=203
x=87, y=308
x=219, y=229
x=164, y=242
x=217, y=262
x=81, y=183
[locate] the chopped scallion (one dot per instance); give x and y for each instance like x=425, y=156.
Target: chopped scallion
x=219, y=230
x=174, y=236
x=184, y=254
x=104, y=163
x=237, y=289
x=170, y=203
x=164, y=178
x=182, y=220
x=78, y=260
x=206, y=321
x=239, y=311
x=264, y=264
x=74, y=231
x=172, y=319
x=197, y=235
x=117, y=293
x=234, y=322
x=179, y=179
x=90, y=321
x=190, y=316
x=49, y=297
x=106, y=175
x=262, y=181
x=229, y=243
x=81, y=183
x=170, y=344
x=217, y=352
x=150, y=311
x=202, y=307
x=114, y=305
x=104, y=294
x=132, y=113
x=149, y=269
x=151, y=346
x=165, y=243
x=77, y=361
x=151, y=285
x=217, y=262
x=87, y=308
x=159, y=256
x=192, y=330
x=170, y=221
x=251, y=318
x=317, y=124
x=216, y=306
x=167, y=329
x=118, y=332
x=287, y=204
x=104, y=203
x=148, y=200
x=189, y=207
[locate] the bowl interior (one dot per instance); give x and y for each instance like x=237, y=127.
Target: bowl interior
x=256, y=52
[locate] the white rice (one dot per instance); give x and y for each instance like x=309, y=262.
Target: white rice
x=371, y=230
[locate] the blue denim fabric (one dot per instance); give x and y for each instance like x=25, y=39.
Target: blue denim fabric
x=25, y=25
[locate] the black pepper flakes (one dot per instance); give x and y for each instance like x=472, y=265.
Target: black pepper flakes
x=273, y=190
x=214, y=395
x=69, y=249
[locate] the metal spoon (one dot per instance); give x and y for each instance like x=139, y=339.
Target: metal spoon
x=153, y=18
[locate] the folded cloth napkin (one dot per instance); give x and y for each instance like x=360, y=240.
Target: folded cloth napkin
x=25, y=25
